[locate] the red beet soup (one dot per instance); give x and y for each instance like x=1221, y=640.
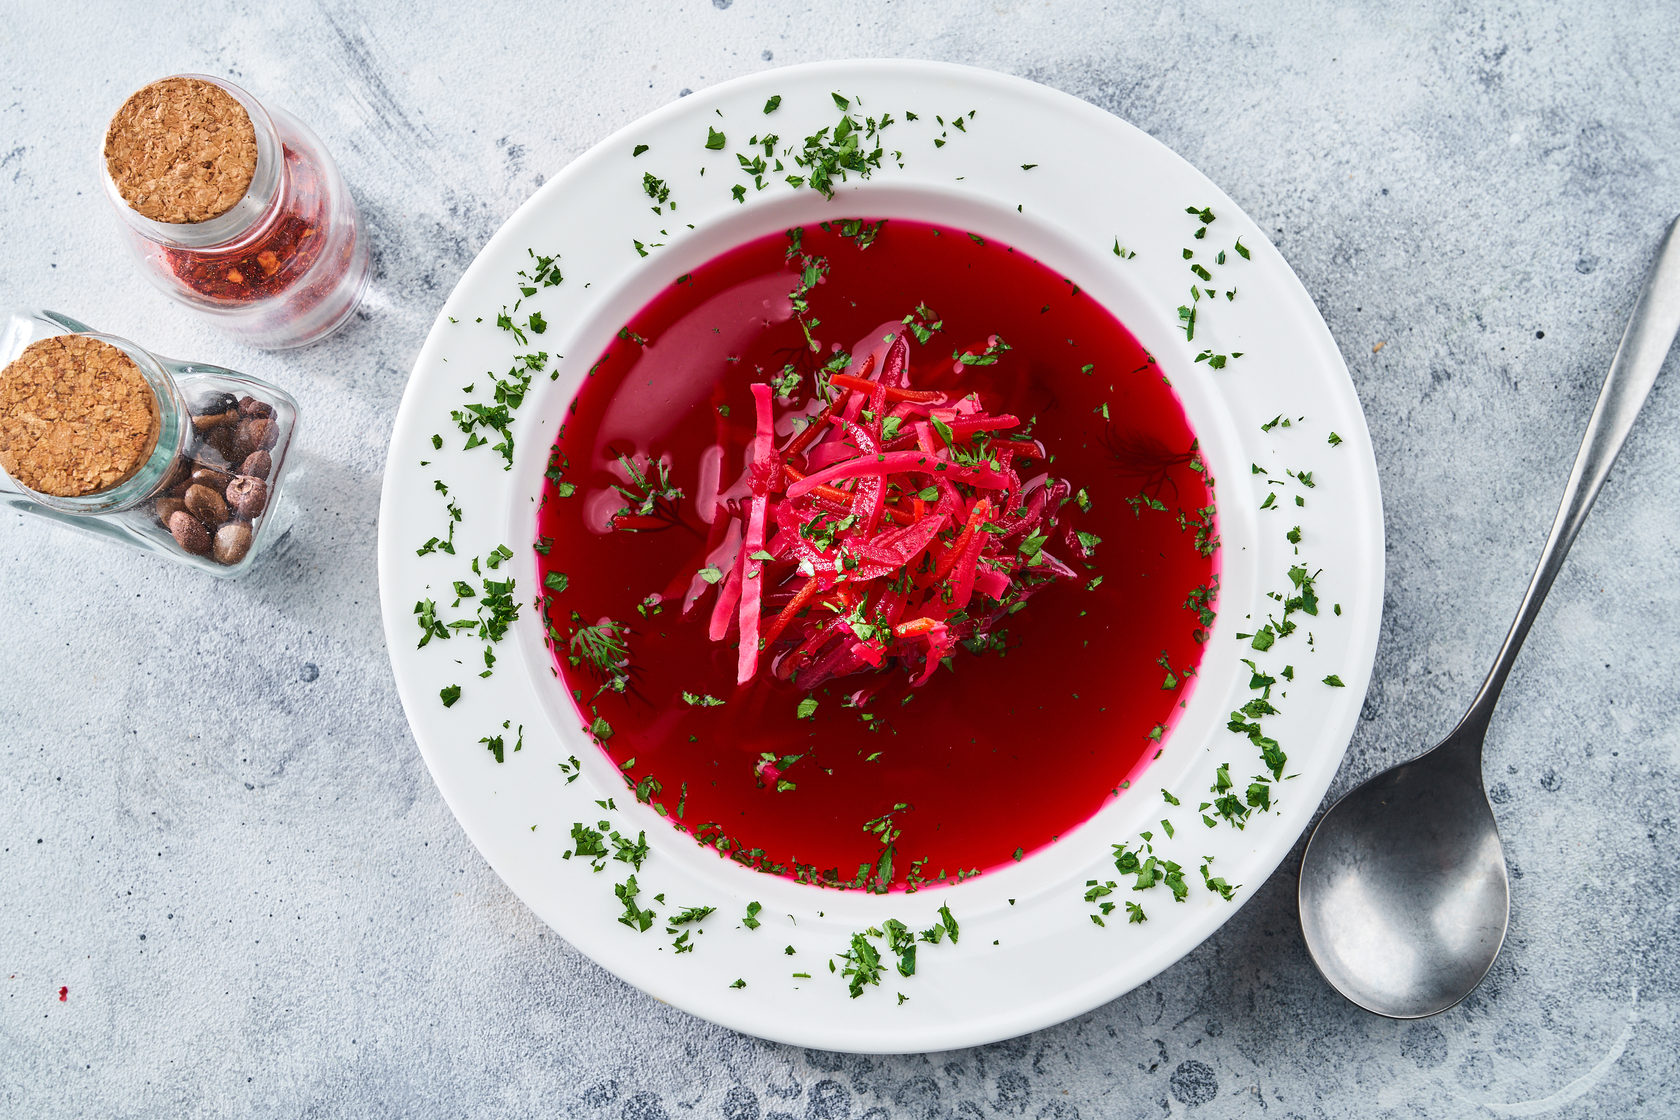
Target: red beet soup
x=956, y=509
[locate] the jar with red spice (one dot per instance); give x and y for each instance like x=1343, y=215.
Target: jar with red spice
x=181, y=459
x=236, y=211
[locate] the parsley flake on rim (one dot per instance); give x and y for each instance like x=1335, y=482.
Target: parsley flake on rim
x=837, y=152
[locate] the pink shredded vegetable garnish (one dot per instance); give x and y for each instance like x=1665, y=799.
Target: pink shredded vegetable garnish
x=916, y=534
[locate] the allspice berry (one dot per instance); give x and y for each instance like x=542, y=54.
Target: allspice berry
x=211, y=477
x=224, y=441
x=206, y=421
x=256, y=434
x=167, y=508
x=248, y=496
x=189, y=533
x=257, y=464
x=233, y=541
x=214, y=403
x=205, y=504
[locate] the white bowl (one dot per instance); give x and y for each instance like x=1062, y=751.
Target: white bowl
x=1029, y=953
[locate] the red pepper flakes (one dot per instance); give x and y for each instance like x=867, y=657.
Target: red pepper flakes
x=269, y=264
x=64, y=995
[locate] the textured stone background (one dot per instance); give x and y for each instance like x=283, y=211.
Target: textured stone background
x=214, y=827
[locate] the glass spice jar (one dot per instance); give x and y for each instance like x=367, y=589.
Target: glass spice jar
x=236, y=211
x=177, y=458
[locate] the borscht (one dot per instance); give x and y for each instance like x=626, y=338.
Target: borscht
x=876, y=554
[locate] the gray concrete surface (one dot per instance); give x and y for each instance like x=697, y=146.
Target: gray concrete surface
x=215, y=830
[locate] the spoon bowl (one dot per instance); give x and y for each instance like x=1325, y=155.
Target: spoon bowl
x=1403, y=895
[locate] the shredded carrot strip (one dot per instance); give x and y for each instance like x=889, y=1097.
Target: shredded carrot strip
x=976, y=517
x=805, y=595
x=911, y=629
x=859, y=385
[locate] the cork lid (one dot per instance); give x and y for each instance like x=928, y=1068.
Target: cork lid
x=181, y=150
x=76, y=416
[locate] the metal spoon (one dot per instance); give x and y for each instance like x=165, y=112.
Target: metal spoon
x=1403, y=895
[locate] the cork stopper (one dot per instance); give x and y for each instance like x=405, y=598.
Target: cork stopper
x=76, y=416
x=181, y=150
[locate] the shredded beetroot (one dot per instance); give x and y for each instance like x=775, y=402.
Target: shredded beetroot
x=763, y=471
x=890, y=528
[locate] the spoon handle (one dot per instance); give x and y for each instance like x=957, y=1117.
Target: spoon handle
x=1650, y=332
